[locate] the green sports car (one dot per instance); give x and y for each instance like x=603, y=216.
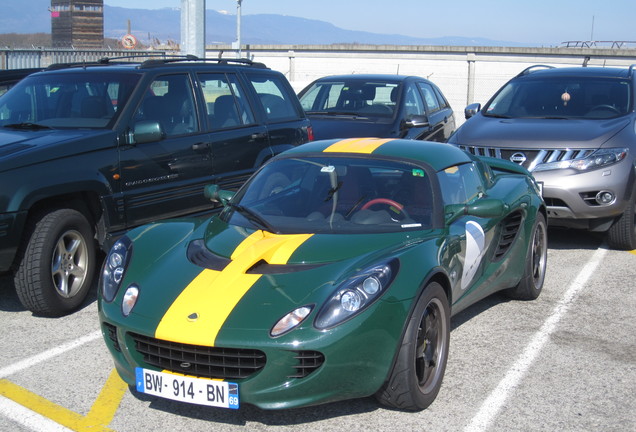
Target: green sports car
x=331, y=274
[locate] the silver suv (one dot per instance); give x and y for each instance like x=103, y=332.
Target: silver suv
x=574, y=129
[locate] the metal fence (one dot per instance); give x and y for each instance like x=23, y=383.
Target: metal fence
x=41, y=58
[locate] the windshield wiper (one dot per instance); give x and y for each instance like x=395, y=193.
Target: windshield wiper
x=497, y=116
x=336, y=113
x=27, y=126
x=253, y=217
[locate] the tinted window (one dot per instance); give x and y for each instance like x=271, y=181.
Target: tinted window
x=225, y=102
x=337, y=194
x=561, y=97
x=68, y=100
x=169, y=101
x=429, y=97
x=358, y=97
x=274, y=97
x=460, y=184
x=443, y=103
x=413, y=103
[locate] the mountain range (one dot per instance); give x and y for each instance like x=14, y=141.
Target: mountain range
x=152, y=25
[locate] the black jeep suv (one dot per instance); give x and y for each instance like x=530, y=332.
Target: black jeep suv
x=89, y=151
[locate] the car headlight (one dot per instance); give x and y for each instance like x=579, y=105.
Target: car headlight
x=356, y=294
x=115, y=267
x=597, y=159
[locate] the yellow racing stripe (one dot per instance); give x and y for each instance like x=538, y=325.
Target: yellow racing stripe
x=356, y=145
x=212, y=295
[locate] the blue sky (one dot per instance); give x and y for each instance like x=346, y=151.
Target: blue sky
x=546, y=22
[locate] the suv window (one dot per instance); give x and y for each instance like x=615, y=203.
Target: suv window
x=69, y=100
x=562, y=97
x=225, y=101
x=170, y=102
x=274, y=97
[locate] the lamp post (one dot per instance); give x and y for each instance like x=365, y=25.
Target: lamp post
x=238, y=28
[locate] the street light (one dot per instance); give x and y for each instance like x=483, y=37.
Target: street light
x=238, y=28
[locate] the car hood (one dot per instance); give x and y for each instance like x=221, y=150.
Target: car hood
x=328, y=127
x=236, y=280
x=20, y=147
x=537, y=133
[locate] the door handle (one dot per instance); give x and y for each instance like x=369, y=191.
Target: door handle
x=259, y=135
x=200, y=146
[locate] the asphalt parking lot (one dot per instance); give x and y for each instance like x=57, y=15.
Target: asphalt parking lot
x=564, y=362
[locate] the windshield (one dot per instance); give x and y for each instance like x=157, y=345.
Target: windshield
x=334, y=195
x=562, y=97
x=67, y=100
x=363, y=98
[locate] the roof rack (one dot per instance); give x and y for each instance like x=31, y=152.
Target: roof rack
x=529, y=69
x=221, y=61
x=109, y=60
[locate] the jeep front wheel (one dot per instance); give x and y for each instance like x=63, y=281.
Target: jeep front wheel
x=57, y=265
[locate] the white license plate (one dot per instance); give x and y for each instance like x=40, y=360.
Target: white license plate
x=188, y=389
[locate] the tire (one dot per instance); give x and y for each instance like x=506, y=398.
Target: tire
x=419, y=368
x=57, y=264
x=531, y=284
x=622, y=233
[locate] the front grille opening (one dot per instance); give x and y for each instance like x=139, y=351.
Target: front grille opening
x=589, y=198
x=554, y=202
x=111, y=332
x=198, y=360
x=308, y=362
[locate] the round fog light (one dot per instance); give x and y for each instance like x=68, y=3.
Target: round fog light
x=605, y=197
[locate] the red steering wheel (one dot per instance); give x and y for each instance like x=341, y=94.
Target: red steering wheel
x=386, y=201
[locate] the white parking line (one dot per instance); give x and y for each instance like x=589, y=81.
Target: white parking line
x=27, y=418
x=24, y=416
x=31, y=361
x=492, y=405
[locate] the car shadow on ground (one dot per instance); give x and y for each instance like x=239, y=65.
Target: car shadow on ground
x=568, y=239
x=251, y=414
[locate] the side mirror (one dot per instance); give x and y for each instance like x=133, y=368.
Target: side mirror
x=416, y=121
x=216, y=195
x=147, y=131
x=471, y=110
x=484, y=208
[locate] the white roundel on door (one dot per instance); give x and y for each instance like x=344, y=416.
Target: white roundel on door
x=475, y=243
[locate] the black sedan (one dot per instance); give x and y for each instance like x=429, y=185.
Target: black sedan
x=384, y=106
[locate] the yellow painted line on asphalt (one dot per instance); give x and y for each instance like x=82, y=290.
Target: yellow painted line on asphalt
x=97, y=419
x=107, y=403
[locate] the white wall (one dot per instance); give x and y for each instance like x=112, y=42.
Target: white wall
x=448, y=67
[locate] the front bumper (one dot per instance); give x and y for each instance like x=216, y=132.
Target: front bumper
x=11, y=226
x=304, y=367
x=570, y=195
